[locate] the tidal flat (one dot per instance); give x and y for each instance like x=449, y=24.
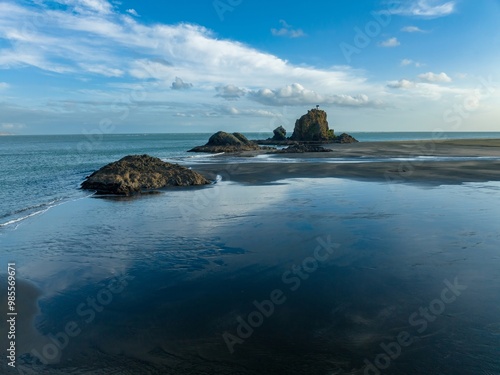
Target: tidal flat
x=293, y=276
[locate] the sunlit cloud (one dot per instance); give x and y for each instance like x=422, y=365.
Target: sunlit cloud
x=133, y=12
x=296, y=94
x=110, y=55
x=391, y=42
x=426, y=8
x=433, y=77
x=401, y=84
x=287, y=30
x=408, y=62
x=412, y=29
x=230, y=92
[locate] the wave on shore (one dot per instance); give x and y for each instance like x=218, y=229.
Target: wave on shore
x=368, y=159
x=28, y=212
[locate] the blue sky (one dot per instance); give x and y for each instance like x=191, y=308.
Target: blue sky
x=85, y=66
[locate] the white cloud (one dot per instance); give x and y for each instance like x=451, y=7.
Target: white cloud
x=93, y=38
x=4, y=85
x=181, y=114
x=433, y=77
x=133, y=12
x=296, y=94
x=288, y=31
x=429, y=90
x=248, y=111
x=99, y=44
x=426, y=8
x=88, y=6
x=406, y=62
x=230, y=92
x=412, y=29
x=401, y=84
x=102, y=70
x=391, y=42
x=179, y=84
x=11, y=126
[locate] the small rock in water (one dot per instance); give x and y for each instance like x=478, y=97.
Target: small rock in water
x=227, y=142
x=300, y=148
x=140, y=173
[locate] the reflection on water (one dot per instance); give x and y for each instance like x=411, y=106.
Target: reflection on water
x=320, y=276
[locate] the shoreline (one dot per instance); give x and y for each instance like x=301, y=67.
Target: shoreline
x=419, y=171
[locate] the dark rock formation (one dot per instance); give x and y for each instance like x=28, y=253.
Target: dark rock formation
x=313, y=126
x=271, y=141
x=279, y=134
x=301, y=148
x=345, y=138
x=140, y=173
x=226, y=142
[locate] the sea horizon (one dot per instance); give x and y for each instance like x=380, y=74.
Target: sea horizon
x=255, y=132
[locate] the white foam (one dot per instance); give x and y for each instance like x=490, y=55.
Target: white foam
x=205, y=156
x=48, y=205
x=24, y=217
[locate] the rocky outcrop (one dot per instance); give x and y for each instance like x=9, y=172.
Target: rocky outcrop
x=226, y=142
x=279, y=134
x=140, y=173
x=313, y=126
x=345, y=138
x=301, y=148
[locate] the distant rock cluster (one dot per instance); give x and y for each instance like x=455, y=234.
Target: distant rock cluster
x=311, y=128
x=141, y=173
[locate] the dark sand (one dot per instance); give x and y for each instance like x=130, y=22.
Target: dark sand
x=485, y=165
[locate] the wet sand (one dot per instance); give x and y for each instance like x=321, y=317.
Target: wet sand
x=154, y=283
x=466, y=161
x=193, y=265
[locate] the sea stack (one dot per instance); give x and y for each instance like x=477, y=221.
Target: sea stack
x=311, y=127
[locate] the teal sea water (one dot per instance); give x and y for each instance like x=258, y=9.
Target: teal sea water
x=300, y=276
x=48, y=169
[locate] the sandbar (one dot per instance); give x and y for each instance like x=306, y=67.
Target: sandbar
x=427, y=161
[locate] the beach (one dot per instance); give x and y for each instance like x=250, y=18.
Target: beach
x=270, y=270
x=429, y=161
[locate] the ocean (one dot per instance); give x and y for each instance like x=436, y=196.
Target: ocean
x=49, y=169
x=299, y=276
